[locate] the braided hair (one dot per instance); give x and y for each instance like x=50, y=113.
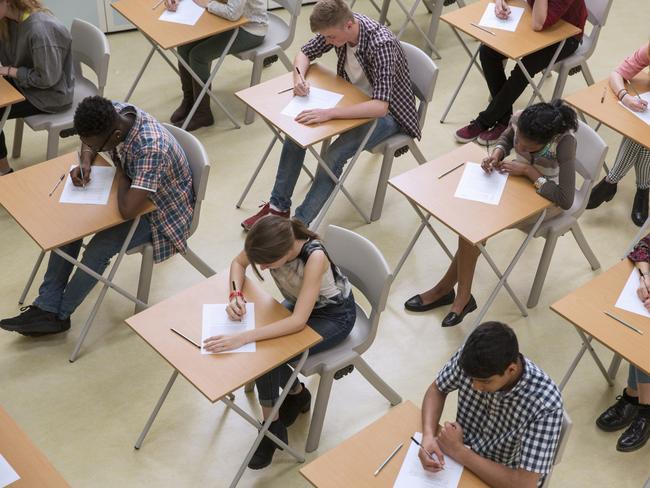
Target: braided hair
x=543, y=121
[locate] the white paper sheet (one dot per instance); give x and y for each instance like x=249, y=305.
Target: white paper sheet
x=645, y=116
x=413, y=475
x=490, y=20
x=7, y=473
x=477, y=185
x=628, y=299
x=187, y=13
x=216, y=322
x=317, y=98
x=97, y=190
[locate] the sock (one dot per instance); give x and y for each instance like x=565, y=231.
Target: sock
x=630, y=399
x=644, y=410
x=273, y=207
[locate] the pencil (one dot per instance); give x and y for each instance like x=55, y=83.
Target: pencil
x=154, y=8
x=185, y=337
x=300, y=74
x=285, y=90
x=623, y=323
x=392, y=454
x=602, y=99
x=427, y=452
x=451, y=170
x=636, y=93
x=57, y=184
x=482, y=28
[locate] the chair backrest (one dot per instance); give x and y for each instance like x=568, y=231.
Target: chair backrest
x=90, y=47
x=424, y=74
x=598, y=11
x=293, y=7
x=365, y=266
x=567, y=425
x=199, y=164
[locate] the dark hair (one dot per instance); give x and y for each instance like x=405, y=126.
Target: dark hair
x=543, y=121
x=271, y=238
x=489, y=350
x=94, y=116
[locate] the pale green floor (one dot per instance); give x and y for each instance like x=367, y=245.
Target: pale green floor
x=86, y=416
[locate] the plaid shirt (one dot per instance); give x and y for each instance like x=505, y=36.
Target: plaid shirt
x=383, y=62
x=519, y=428
x=154, y=161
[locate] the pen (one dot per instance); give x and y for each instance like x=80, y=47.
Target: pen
x=602, y=99
x=642, y=279
x=636, y=93
x=81, y=170
x=285, y=90
x=185, y=337
x=392, y=454
x=482, y=28
x=300, y=74
x=154, y=8
x=624, y=323
x=451, y=170
x=57, y=184
x=427, y=452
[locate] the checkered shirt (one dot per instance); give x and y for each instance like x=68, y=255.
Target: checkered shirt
x=519, y=428
x=384, y=63
x=154, y=161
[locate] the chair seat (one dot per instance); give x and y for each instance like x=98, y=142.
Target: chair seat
x=277, y=33
x=392, y=143
x=138, y=249
x=578, y=57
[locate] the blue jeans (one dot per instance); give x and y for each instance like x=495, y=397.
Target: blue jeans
x=342, y=149
x=635, y=376
x=59, y=296
x=333, y=322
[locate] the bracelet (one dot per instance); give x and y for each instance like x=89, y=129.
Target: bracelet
x=619, y=96
x=235, y=294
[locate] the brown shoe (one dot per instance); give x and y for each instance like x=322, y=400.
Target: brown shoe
x=203, y=115
x=266, y=210
x=188, y=97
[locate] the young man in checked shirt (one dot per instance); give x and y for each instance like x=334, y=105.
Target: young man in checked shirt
x=509, y=412
x=370, y=57
x=150, y=165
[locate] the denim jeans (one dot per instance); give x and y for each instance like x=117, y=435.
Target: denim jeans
x=635, y=377
x=333, y=322
x=59, y=296
x=342, y=149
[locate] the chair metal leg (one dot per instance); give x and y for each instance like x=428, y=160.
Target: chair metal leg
x=382, y=184
x=52, y=144
x=30, y=280
x=560, y=84
x=542, y=269
x=377, y=382
x=586, y=73
x=584, y=246
x=198, y=264
x=144, y=281
x=256, y=76
x=156, y=409
x=18, y=138
x=318, y=413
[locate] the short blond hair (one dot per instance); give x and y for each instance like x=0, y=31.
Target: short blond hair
x=329, y=13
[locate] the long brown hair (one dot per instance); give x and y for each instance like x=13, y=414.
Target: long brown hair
x=21, y=6
x=271, y=238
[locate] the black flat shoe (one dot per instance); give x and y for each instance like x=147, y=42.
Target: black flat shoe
x=636, y=435
x=264, y=453
x=414, y=304
x=618, y=416
x=602, y=192
x=294, y=405
x=640, y=207
x=453, y=318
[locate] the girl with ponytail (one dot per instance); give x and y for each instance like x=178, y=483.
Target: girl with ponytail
x=545, y=149
x=316, y=293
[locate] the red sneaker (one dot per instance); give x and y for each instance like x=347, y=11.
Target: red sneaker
x=469, y=132
x=489, y=137
x=266, y=210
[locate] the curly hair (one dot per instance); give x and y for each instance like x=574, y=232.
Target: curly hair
x=94, y=115
x=543, y=121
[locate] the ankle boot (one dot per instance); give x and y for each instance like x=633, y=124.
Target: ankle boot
x=188, y=96
x=640, y=207
x=203, y=115
x=602, y=192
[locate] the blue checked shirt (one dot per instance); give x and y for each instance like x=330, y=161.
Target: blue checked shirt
x=154, y=161
x=519, y=428
x=384, y=63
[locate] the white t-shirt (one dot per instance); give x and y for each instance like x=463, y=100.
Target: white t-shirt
x=355, y=71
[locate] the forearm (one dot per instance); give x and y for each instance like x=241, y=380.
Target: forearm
x=229, y=9
x=87, y=155
x=540, y=11
x=532, y=173
x=289, y=325
x=643, y=266
x=123, y=187
x=432, y=405
x=237, y=274
x=370, y=109
x=301, y=61
x=494, y=474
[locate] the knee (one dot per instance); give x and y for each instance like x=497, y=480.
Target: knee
x=489, y=55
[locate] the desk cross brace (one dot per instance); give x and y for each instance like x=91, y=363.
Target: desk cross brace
x=5, y=116
x=154, y=48
x=435, y=16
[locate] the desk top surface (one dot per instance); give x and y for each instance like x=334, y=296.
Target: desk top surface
x=8, y=94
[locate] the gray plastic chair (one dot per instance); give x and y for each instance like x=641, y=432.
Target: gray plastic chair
x=363, y=264
x=598, y=12
x=278, y=38
x=424, y=74
x=200, y=166
x=567, y=425
x=89, y=47
x=590, y=157
x=647, y=483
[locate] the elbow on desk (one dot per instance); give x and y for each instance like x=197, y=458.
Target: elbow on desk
x=538, y=26
x=127, y=213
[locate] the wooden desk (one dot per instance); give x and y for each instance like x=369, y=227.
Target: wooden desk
x=217, y=376
x=25, y=458
x=8, y=96
x=471, y=220
x=169, y=35
x=513, y=45
x=352, y=463
x=584, y=308
x=266, y=100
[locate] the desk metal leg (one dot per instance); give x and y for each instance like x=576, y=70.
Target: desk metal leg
x=462, y=80
x=436, y=11
x=586, y=346
x=156, y=409
x=5, y=116
x=154, y=48
x=32, y=275
x=410, y=19
x=545, y=73
x=642, y=232
x=613, y=366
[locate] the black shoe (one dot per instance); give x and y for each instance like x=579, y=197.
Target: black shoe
x=618, y=416
x=294, y=405
x=45, y=325
x=636, y=435
x=414, y=304
x=264, y=453
x=453, y=318
x=29, y=314
x=640, y=207
x=602, y=192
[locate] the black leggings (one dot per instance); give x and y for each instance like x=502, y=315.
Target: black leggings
x=16, y=111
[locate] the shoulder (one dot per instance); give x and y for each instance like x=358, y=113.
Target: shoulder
x=542, y=388
x=46, y=25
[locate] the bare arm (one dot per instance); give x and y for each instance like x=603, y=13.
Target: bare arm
x=495, y=474
x=432, y=405
x=129, y=200
x=301, y=61
x=540, y=11
x=617, y=84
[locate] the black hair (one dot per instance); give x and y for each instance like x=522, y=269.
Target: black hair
x=543, y=121
x=94, y=116
x=489, y=350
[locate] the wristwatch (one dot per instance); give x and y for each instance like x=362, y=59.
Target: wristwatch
x=539, y=182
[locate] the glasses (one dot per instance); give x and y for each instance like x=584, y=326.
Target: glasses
x=103, y=143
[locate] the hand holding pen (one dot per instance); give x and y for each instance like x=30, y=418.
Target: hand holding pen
x=301, y=87
x=430, y=454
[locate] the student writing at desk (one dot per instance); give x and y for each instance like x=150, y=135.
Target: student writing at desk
x=509, y=418
x=150, y=165
x=488, y=125
x=315, y=291
x=632, y=407
x=369, y=56
x=36, y=58
x=545, y=150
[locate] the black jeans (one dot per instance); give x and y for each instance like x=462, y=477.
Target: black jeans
x=16, y=111
x=504, y=91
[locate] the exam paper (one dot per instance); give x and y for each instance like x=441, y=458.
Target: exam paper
x=628, y=299
x=645, y=116
x=413, y=475
x=96, y=191
x=490, y=20
x=7, y=473
x=216, y=322
x=187, y=13
x=317, y=98
x=477, y=185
